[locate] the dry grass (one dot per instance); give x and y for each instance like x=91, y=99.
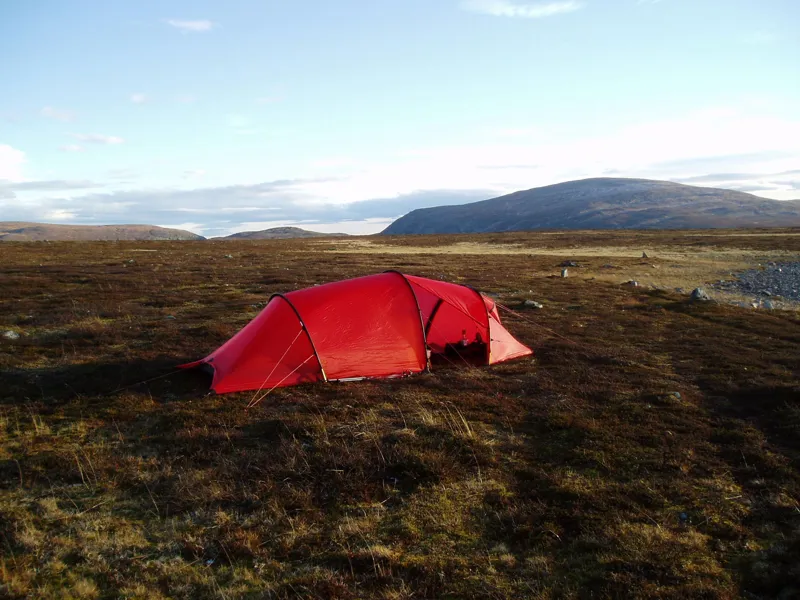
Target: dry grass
x=672, y=262
x=579, y=473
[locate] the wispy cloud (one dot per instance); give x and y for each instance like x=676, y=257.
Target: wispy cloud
x=49, y=185
x=189, y=26
x=535, y=10
x=193, y=173
x=736, y=148
x=123, y=173
x=185, y=99
x=71, y=148
x=59, y=114
x=96, y=138
x=246, y=207
x=138, y=98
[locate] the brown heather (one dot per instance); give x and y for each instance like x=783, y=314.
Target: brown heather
x=575, y=474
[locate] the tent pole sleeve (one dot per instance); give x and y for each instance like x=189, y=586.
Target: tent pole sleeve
x=308, y=333
x=419, y=312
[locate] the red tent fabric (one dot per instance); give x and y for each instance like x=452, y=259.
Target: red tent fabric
x=376, y=326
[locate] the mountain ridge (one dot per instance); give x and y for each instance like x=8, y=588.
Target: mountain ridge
x=604, y=203
x=278, y=233
x=24, y=231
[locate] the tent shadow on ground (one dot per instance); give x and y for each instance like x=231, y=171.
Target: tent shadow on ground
x=58, y=385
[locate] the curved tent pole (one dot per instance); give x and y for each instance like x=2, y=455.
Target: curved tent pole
x=308, y=333
x=436, y=307
x=488, y=324
x=419, y=312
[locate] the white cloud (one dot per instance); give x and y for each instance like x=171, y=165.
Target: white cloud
x=193, y=173
x=11, y=162
x=59, y=215
x=746, y=148
x=96, y=138
x=138, y=98
x=726, y=140
x=507, y=8
x=48, y=185
x=71, y=148
x=185, y=99
x=354, y=227
x=198, y=26
x=196, y=228
x=59, y=114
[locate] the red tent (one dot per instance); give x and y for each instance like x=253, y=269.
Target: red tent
x=376, y=326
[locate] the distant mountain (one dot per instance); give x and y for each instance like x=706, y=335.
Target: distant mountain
x=605, y=203
x=33, y=232
x=279, y=233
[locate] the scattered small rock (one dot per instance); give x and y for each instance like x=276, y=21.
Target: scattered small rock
x=608, y=267
x=699, y=294
x=644, y=255
x=768, y=304
x=632, y=283
x=11, y=335
x=564, y=273
x=130, y=261
x=569, y=263
x=229, y=256
x=772, y=280
x=532, y=304
x=170, y=317
x=676, y=395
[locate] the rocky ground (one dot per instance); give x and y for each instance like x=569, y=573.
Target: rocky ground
x=778, y=280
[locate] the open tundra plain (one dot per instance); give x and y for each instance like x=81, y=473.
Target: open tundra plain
x=650, y=449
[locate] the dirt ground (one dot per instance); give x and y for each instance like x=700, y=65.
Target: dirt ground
x=649, y=449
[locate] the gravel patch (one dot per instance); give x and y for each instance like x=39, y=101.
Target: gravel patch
x=781, y=280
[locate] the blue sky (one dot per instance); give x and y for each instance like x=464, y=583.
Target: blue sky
x=341, y=115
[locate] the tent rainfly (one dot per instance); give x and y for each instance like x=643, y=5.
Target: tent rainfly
x=383, y=325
